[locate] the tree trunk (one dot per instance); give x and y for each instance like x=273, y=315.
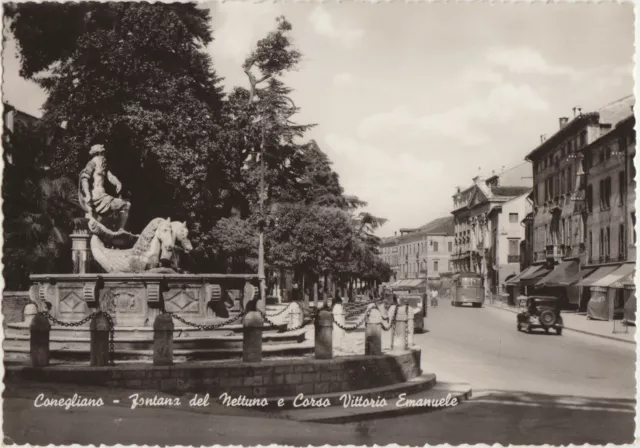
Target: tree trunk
x=325, y=297
x=315, y=293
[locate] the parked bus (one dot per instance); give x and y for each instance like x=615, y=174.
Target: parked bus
x=468, y=287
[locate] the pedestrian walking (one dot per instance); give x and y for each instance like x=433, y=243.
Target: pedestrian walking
x=434, y=297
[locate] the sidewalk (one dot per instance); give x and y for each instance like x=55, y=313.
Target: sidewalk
x=578, y=322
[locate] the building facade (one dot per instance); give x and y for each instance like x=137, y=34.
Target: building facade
x=563, y=196
x=424, y=252
x=487, y=230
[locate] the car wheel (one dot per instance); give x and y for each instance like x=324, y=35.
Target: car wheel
x=559, y=331
x=546, y=330
x=529, y=329
x=548, y=318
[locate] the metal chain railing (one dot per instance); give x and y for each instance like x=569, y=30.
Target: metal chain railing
x=112, y=328
x=207, y=327
x=281, y=311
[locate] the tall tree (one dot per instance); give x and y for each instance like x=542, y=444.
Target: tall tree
x=138, y=74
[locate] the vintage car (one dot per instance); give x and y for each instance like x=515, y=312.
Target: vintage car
x=539, y=312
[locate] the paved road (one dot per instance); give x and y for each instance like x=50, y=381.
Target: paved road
x=528, y=389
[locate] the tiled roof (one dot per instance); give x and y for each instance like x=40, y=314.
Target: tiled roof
x=509, y=191
x=442, y=225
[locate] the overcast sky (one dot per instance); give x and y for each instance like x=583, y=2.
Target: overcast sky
x=412, y=100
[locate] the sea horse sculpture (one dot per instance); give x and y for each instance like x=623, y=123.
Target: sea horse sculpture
x=153, y=248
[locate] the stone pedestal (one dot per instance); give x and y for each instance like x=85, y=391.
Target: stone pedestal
x=80, y=252
x=252, y=337
x=39, y=329
x=400, y=341
x=324, y=335
x=163, y=340
x=373, y=334
x=296, y=315
x=100, y=330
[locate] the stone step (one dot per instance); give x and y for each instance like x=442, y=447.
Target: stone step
x=440, y=396
x=142, y=342
x=413, y=385
x=19, y=351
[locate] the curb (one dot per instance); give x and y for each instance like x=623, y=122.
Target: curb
x=611, y=338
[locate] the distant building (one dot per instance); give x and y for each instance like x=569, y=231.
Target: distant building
x=424, y=252
x=487, y=230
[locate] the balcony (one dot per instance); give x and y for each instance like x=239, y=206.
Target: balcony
x=555, y=251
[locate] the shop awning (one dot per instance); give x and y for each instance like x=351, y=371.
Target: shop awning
x=514, y=280
x=609, y=280
x=561, y=273
x=579, y=276
x=597, y=275
x=531, y=278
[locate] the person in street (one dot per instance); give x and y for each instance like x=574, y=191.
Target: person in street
x=434, y=297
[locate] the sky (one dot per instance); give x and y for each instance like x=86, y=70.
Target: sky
x=412, y=100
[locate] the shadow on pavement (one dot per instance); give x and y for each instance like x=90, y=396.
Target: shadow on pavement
x=508, y=417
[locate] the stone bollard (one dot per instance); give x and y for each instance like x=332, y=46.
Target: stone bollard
x=100, y=329
x=252, y=337
x=387, y=341
x=324, y=335
x=339, y=318
x=40, y=329
x=30, y=310
x=411, y=326
x=400, y=334
x=163, y=340
x=373, y=334
x=296, y=315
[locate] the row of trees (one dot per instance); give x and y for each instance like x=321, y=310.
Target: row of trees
x=137, y=73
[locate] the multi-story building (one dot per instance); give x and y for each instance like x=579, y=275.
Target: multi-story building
x=562, y=198
x=507, y=235
x=487, y=230
x=609, y=207
x=420, y=253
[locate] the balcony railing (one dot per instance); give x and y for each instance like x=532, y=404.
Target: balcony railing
x=555, y=251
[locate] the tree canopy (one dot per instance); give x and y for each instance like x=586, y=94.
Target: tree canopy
x=137, y=76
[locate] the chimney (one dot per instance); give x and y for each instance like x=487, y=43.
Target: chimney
x=543, y=137
x=563, y=121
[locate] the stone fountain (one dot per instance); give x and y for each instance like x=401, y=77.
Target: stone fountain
x=140, y=277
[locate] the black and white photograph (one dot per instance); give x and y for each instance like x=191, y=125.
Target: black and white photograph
x=318, y=223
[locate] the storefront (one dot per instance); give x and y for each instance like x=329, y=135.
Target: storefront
x=557, y=283
x=608, y=295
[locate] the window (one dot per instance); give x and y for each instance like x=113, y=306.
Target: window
x=562, y=184
x=607, y=245
x=633, y=224
x=450, y=246
x=435, y=266
x=569, y=232
x=605, y=194
x=622, y=243
x=601, y=155
x=435, y=246
x=589, y=198
x=601, y=251
x=583, y=139
x=513, y=217
x=562, y=234
x=514, y=247
x=546, y=234
x=622, y=187
x=590, y=244
x=569, y=182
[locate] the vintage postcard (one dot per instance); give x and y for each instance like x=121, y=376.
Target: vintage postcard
x=305, y=224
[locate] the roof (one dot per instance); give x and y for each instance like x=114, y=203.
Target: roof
x=509, y=191
x=606, y=116
x=442, y=225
